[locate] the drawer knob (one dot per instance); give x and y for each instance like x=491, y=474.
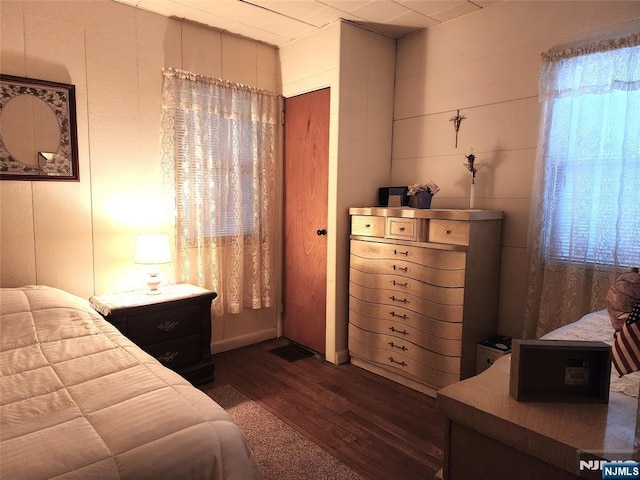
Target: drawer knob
x=401, y=229
x=168, y=357
x=167, y=326
x=400, y=347
x=395, y=299
x=321, y=232
x=447, y=231
x=368, y=225
x=401, y=332
x=402, y=364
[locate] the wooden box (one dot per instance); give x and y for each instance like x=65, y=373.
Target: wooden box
x=560, y=371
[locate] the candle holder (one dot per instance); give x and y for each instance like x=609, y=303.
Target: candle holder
x=471, y=158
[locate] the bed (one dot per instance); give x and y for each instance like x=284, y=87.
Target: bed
x=490, y=433
x=79, y=400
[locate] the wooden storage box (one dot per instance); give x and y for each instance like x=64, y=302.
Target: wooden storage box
x=560, y=371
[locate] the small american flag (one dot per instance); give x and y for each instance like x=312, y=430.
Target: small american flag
x=625, y=353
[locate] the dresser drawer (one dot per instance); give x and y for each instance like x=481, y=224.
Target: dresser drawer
x=434, y=276
x=393, y=345
x=431, y=257
x=449, y=231
x=400, y=284
x=367, y=225
x=438, y=311
x=177, y=353
x=411, y=229
x=164, y=325
x=405, y=332
x=401, y=364
x=408, y=319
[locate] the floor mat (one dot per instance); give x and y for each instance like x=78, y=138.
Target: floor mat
x=291, y=352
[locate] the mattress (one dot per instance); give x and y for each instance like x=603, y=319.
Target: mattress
x=79, y=400
x=596, y=326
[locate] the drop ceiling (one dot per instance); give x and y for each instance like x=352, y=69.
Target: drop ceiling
x=278, y=22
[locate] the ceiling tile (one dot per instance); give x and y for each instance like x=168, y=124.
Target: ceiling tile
x=291, y=8
x=329, y=15
x=427, y=7
x=379, y=11
x=450, y=13
x=412, y=19
x=280, y=21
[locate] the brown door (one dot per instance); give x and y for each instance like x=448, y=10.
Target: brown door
x=306, y=165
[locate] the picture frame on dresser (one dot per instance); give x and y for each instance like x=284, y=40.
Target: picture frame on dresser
x=173, y=326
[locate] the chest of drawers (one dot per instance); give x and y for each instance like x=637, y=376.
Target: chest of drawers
x=423, y=291
x=173, y=326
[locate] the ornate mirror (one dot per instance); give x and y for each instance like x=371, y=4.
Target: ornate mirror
x=38, y=132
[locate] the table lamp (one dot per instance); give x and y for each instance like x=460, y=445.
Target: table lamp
x=152, y=249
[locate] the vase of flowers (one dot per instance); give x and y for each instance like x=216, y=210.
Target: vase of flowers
x=420, y=194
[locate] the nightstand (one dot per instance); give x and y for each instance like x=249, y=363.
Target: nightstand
x=174, y=326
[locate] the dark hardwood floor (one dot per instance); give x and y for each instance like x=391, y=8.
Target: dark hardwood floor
x=380, y=429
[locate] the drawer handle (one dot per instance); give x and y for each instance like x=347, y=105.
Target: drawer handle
x=167, y=326
x=404, y=269
x=401, y=229
x=368, y=225
x=404, y=317
x=168, y=357
x=398, y=284
x=447, y=231
x=403, y=332
x=401, y=347
x=397, y=252
x=402, y=364
x=395, y=299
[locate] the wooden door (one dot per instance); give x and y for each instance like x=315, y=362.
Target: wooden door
x=306, y=165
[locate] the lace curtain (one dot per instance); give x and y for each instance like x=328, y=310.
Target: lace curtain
x=584, y=226
x=219, y=150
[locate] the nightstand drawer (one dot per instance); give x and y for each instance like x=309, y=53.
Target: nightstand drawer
x=177, y=353
x=164, y=325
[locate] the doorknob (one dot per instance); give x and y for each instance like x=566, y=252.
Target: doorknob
x=322, y=232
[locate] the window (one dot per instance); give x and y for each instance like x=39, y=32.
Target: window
x=592, y=173
x=219, y=157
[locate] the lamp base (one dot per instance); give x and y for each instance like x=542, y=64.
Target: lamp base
x=153, y=282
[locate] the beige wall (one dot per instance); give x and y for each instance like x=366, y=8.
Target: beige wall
x=80, y=236
x=487, y=64
x=357, y=65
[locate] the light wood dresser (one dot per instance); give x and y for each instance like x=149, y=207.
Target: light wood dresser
x=423, y=291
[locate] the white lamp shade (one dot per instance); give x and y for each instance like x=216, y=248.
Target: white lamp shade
x=152, y=249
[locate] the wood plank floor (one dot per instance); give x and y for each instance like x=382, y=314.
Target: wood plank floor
x=380, y=429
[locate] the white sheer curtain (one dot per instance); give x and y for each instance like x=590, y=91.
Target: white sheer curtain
x=585, y=215
x=219, y=153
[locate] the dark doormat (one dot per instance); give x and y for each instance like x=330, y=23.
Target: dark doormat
x=291, y=352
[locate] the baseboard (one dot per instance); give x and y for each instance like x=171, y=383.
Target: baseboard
x=342, y=357
x=243, y=340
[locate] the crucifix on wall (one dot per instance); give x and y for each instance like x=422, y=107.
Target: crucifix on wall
x=456, y=123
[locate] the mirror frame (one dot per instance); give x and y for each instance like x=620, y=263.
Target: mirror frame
x=61, y=98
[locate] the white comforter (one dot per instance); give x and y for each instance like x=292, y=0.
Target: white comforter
x=79, y=400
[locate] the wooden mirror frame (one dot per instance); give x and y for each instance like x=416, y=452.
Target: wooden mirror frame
x=61, y=98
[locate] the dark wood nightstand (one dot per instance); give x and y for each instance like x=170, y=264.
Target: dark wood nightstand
x=174, y=326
